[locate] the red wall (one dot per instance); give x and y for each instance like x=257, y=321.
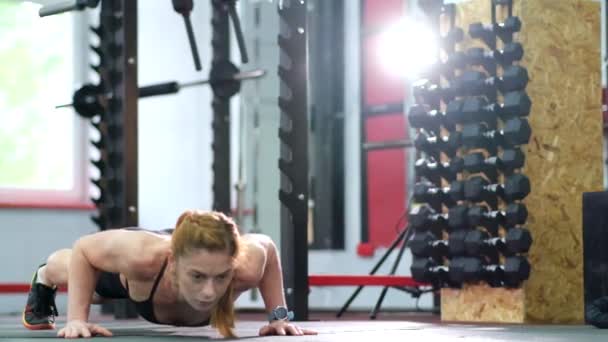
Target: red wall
x=386, y=171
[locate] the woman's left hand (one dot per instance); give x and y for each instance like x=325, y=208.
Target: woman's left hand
x=284, y=328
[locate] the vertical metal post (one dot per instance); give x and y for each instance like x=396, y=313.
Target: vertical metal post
x=220, y=42
x=364, y=236
x=118, y=126
x=293, y=162
x=130, y=112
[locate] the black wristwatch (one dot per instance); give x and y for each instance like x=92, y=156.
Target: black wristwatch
x=280, y=313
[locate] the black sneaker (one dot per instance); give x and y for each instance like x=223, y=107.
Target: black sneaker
x=40, y=310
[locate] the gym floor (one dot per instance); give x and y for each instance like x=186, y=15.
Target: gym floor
x=353, y=327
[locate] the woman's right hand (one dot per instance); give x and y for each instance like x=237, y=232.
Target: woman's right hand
x=76, y=329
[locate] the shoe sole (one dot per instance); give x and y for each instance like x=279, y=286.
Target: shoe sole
x=47, y=326
x=37, y=326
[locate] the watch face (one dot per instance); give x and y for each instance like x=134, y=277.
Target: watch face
x=281, y=313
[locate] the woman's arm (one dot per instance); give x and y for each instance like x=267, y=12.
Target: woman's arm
x=271, y=288
x=108, y=251
x=271, y=283
x=82, y=278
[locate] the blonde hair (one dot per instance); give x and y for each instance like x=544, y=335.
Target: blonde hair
x=213, y=231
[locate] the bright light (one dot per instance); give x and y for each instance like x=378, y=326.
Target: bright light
x=408, y=48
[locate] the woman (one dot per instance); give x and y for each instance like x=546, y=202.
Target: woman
x=186, y=277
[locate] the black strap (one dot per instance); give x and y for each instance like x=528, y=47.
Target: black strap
x=156, y=281
x=158, y=277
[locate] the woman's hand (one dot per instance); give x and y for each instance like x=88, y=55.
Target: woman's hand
x=76, y=329
x=284, y=328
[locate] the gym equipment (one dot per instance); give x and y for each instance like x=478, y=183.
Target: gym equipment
x=420, y=116
x=472, y=83
x=89, y=101
x=434, y=144
x=427, y=244
x=456, y=245
x=510, y=53
x=515, y=270
x=510, y=160
x=426, y=192
x=66, y=6
x=475, y=162
x=184, y=7
x=475, y=83
x=457, y=217
x=434, y=170
x=515, y=132
x=514, y=214
x=429, y=271
x=477, y=189
x=389, y=144
x=517, y=240
x=488, y=32
x=424, y=217
x=454, y=36
x=515, y=104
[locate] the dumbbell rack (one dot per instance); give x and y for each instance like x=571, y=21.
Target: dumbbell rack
x=116, y=123
x=450, y=136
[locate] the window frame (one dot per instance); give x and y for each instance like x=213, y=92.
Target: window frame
x=79, y=196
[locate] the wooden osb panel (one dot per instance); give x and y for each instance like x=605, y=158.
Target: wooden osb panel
x=561, y=41
x=564, y=159
x=481, y=303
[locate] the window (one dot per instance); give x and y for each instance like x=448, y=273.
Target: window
x=42, y=149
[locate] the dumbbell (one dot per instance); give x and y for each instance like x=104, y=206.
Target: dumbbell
x=514, y=214
x=425, y=91
x=515, y=132
x=435, y=144
x=424, y=217
x=515, y=270
x=427, y=244
x=428, y=270
x=420, y=116
x=456, y=245
x=518, y=240
x=515, y=104
x=426, y=192
x=510, y=53
x=472, y=83
x=433, y=170
x=488, y=33
x=516, y=187
x=452, y=37
x=510, y=160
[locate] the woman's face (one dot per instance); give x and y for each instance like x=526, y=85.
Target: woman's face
x=203, y=276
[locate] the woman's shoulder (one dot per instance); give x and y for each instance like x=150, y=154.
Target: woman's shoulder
x=148, y=252
x=251, y=260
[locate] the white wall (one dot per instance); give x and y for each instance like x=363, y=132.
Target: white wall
x=28, y=237
x=174, y=130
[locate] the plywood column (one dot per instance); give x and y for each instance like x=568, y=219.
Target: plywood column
x=561, y=41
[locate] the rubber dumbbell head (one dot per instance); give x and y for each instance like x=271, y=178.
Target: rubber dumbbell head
x=456, y=242
x=516, y=187
x=515, y=213
x=516, y=104
x=513, y=78
x=516, y=270
x=512, y=159
x=518, y=240
x=457, y=217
